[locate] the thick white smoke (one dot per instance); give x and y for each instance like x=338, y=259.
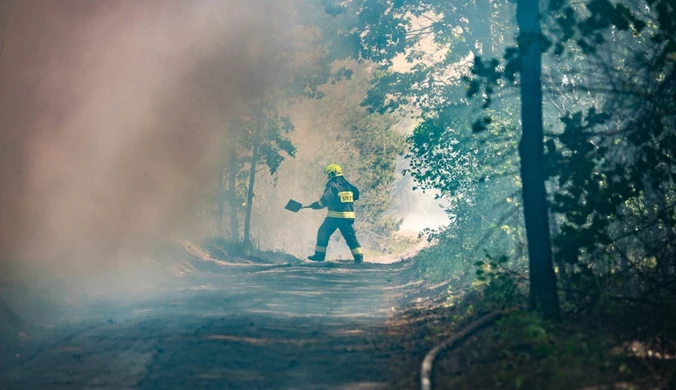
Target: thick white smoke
x=114, y=113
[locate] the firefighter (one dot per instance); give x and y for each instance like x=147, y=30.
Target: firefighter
x=339, y=196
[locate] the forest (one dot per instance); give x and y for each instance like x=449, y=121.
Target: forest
x=514, y=159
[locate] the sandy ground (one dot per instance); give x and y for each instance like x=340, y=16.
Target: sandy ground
x=299, y=326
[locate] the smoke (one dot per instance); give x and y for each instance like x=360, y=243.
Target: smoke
x=113, y=115
x=418, y=210
x=318, y=124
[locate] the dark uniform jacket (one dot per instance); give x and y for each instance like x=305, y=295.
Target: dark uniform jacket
x=339, y=196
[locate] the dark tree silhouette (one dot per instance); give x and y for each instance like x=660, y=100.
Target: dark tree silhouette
x=543, y=294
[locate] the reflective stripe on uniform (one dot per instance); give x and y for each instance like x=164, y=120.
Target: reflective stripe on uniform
x=341, y=214
x=357, y=251
x=320, y=203
x=320, y=249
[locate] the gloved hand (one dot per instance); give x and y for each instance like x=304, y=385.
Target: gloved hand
x=315, y=206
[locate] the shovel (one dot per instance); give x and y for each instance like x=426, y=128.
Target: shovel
x=295, y=206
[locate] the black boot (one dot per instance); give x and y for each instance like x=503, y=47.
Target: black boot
x=317, y=256
x=358, y=259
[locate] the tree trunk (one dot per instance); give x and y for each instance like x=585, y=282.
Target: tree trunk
x=232, y=193
x=543, y=294
x=563, y=270
x=250, y=193
x=220, y=193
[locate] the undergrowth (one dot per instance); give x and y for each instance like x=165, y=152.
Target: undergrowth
x=433, y=264
x=606, y=344
x=615, y=350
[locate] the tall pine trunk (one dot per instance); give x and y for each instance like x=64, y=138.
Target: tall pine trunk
x=250, y=192
x=232, y=193
x=543, y=292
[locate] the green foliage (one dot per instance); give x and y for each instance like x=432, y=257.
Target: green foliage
x=442, y=262
x=524, y=351
x=501, y=287
x=260, y=138
x=476, y=173
x=335, y=129
x=611, y=162
x=259, y=135
x=376, y=149
x=446, y=156
x=609, y=81
x=368, y=147
x=523, y=340
x=609, y=78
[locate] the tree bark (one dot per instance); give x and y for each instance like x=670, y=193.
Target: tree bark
x=232, y=193
x=250, y=192
x=543, y=292
x=563, y=270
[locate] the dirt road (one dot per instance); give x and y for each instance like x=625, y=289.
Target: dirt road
x=302, y=326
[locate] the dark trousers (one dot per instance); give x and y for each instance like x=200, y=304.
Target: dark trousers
x=346, y=227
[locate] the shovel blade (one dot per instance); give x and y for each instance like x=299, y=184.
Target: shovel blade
x=293, y=206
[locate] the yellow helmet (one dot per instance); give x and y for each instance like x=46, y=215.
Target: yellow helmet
x=333, y=170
